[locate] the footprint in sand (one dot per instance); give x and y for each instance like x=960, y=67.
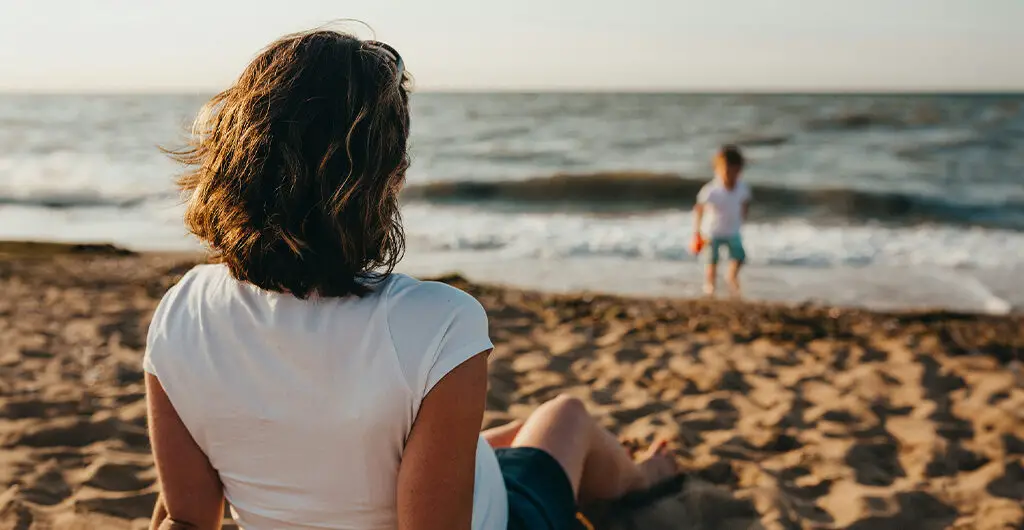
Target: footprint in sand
x=65, y=432
x=720, y=473
x=955, y=459
x=135, y=437
x=37, y=408
x=691, y=505
x=875, y=463
x=14, y=515
x=1013, y=445
x=118, y=477
x=131, y=506
x=46, y=486
x=1011, y=484
x=915, y=509
x=65, y=458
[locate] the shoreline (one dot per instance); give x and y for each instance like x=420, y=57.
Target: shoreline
x=559, y=280
x=877, y=289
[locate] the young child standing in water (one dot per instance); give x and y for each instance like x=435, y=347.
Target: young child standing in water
x=721, y=208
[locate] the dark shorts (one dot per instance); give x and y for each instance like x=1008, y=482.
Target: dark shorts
x=540, y=495
x=733, y=243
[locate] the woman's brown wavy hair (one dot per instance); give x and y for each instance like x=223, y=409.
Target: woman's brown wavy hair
x=294, y=171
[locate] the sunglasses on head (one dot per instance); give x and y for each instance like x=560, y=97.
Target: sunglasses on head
x=390, y=53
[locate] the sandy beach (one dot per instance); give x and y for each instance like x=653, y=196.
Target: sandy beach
x=784, y=416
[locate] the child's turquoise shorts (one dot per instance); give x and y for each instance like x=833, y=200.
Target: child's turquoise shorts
x=733, y=243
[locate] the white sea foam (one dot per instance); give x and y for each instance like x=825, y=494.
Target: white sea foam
x=70, y=179
x=966, y=269
x=663, y=236
x=666, y=237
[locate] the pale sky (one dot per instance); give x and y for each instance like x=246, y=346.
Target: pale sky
x=735, y=45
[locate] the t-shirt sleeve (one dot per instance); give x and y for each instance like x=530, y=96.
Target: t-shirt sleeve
x=435, y=328
x=157, y=335
x=747, y=194
x=155, y=338
x=704, y=194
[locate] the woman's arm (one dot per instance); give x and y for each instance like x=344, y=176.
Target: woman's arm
x=435, y=479
x=698, y=217
x=192, y=496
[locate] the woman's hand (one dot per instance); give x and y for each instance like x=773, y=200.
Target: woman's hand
x=435, y=479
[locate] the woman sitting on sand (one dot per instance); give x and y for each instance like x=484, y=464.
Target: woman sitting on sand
x=303, y=381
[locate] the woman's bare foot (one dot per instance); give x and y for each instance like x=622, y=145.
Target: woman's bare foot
x=657, y=465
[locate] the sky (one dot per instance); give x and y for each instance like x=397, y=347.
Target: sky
x=646, y=45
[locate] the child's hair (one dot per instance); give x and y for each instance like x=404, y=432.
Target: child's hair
x=294, y=171
x=731, y=156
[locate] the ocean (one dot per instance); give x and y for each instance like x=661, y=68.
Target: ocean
x=887, y=201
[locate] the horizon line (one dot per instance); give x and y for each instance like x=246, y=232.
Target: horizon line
x=875, y=91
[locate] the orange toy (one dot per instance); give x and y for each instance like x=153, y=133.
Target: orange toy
x=696, y=244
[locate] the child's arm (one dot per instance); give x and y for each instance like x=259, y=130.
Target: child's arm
x=698, y=217
x=698, y=209
x=746, y=201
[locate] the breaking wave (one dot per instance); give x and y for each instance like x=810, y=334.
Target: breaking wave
x=638, y=192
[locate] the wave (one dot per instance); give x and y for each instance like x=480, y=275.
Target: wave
x=857, y=121
x=78, y=200
x=638, y=192
x=762, y=140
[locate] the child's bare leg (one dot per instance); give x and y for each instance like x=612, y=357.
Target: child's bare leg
x=734, y=276
x=502, y=435
x=710, y=278
x=597, y=464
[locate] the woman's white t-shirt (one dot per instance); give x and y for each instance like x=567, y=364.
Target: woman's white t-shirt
x=304, y=406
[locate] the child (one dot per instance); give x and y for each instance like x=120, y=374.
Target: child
x=725, y=202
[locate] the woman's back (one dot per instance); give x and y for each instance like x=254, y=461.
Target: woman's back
x=303, y=406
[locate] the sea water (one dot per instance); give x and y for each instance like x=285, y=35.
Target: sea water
x=880, y=200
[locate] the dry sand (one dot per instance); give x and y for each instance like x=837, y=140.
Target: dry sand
x=785, y=417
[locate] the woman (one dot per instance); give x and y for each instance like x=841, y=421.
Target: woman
x=300, y=379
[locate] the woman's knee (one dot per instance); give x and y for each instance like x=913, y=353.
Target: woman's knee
x=567, y=408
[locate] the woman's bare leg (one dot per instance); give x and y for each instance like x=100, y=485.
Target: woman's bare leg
x=598, y=465
x=502, y=435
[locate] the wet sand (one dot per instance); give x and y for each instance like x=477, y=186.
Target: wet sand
x=785, y=417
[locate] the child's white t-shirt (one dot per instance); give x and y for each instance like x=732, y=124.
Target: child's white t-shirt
x=723, y=208
x=303, y=406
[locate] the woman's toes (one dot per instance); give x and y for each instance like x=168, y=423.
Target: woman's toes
x=658, y=465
